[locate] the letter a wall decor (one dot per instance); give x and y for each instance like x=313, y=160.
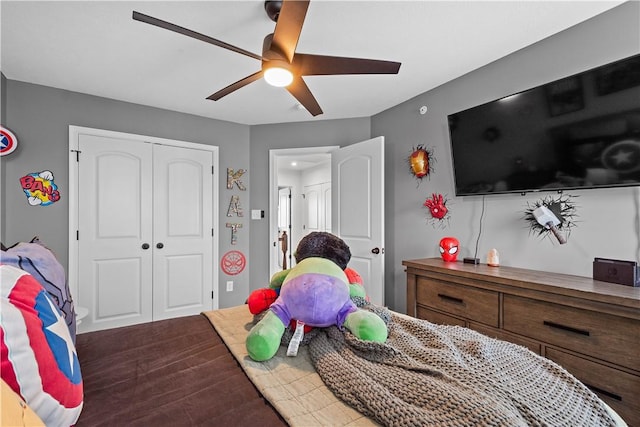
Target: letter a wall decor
x=234, y=206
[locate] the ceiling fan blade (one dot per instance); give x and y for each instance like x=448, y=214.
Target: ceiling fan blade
x=189, y=33
x=235, y=86
x=301, y=92
x=320, y=65
x=289, y=26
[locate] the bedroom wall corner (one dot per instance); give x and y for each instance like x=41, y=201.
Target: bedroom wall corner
x=40, y=116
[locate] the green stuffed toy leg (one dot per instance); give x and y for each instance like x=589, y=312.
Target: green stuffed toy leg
x=264, y=339
x=366, y=326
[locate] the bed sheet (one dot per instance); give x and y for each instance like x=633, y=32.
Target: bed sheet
x=290, y=384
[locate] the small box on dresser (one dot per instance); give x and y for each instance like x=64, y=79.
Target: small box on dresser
x=589, y=327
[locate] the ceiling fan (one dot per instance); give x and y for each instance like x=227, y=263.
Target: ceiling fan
x=281, y=64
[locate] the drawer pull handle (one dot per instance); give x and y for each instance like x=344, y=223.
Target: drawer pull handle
x=451, y=299
x=566, y=328
x=604, y=392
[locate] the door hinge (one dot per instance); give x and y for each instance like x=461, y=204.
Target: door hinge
x=212, y=170
x=212, y=232
x=77, y=234
x=77, y=154
x=211, y=294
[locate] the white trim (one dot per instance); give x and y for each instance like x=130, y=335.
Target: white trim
x=74, y=136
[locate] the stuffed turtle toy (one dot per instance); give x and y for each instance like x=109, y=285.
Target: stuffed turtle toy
x=316, y=292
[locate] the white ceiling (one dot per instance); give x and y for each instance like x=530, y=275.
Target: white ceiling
x=95, y=47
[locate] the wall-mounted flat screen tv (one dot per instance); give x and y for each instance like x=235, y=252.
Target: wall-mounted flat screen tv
x=582, y=131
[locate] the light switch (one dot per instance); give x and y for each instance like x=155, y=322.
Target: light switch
x=256, y=214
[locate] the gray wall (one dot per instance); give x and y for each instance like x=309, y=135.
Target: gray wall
x=40, y=117
x=609, y=219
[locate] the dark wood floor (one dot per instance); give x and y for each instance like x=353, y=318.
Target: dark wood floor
x=175, y=372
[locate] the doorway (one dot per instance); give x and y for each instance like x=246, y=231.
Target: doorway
x=290, y=170
x=355, y=200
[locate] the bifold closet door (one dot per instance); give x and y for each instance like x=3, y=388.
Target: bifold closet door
x=182, y=230
x=145, y=231
x=115, y=219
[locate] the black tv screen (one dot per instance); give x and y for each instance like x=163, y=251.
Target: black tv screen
x=582, y=131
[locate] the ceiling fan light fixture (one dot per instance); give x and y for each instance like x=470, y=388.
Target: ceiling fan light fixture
x=278, y=76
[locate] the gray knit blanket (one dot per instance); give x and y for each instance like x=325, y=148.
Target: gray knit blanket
x=434, y=375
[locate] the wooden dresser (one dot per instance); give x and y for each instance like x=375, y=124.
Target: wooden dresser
x=591, y=328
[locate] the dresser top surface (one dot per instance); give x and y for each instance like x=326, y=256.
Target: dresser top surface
x=564, y=284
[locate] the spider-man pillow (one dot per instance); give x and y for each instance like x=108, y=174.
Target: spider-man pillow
x=38, y=358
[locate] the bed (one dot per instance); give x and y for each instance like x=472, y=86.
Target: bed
x=195, y=371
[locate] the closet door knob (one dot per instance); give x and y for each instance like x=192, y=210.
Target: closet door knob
x=145, y=246
x=375, y=251
x=160, y=246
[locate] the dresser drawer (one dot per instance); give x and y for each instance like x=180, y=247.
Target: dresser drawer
x=438, y=318
x=465, y=301
x=603, y=336
x=619, y=389
x=506, y=336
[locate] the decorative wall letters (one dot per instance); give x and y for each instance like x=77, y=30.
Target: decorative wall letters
x=234, y=207
x=234, y=231
x=234, y=178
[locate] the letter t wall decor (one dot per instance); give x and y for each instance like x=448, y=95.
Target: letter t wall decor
x=234, y=231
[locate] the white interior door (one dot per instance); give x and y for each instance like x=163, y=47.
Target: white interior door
x=317, y=199
x=114, y=222
x=314, y=214
x=357, y=176
x=325, y=197
x=182, y=228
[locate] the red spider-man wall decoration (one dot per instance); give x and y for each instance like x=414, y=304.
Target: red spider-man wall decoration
x=421, y=162
x=437, y=205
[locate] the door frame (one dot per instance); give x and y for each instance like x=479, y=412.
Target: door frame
x=273, y=190
x=74, y=196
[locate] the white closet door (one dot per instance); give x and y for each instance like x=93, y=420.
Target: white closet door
x=115, y=221
x=313, y=199
x=318, y=206
x=183, y=249
x=326, y=206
